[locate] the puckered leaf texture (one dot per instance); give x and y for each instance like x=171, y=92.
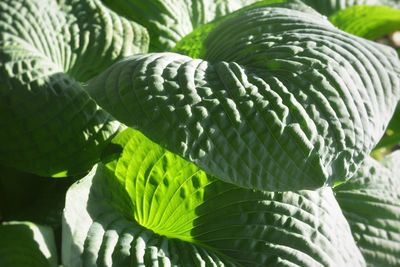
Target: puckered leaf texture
x=168, y=21
x=371, y=203
x=49, y=125
x=149, y=207
x=280, y=99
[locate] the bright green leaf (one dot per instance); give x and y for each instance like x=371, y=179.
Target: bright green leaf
x=49, y=125
x=371, y=203
x=150, y=207
x=24, y=244
x=392, y=133
x=281, y=99
x=329, y=7
x=371, y=22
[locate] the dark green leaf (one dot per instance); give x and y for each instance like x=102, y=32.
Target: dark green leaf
x=24, y=244
x=49, y=125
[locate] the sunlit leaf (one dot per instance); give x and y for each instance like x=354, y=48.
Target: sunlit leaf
x=150, y=207
x=279, y=100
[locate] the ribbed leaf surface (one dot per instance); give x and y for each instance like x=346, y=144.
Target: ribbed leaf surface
x=169, y=20
x=24, y=244
x=375, y=23
x=371, y=203
x=329, y=7
x=46, y=48
x=281, y=100
x=150, y=207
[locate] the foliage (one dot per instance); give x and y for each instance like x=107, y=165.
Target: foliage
x=199, y=133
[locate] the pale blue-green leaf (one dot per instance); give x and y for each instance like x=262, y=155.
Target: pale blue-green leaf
x=281, y=99
x=371, y=203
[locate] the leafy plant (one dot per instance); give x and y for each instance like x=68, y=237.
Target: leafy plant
x=218, y=133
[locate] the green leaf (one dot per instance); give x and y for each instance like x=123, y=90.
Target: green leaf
x=193, y=43
x=392, y=133
x=371, y=203
x=50, y=126
x=281, y=99
x=169, y=20
x=150, y=207
x=24, y=244
x=371, y=22
x=27, y=197
x=329, y=7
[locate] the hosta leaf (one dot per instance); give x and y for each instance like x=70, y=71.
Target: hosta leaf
x=375, y=23
x=24, y=244
x=50, y=126
x=329, y=7
x=371, y=203
x=169, y=20
x=150, y=207
x=27, y=197
x=392, y=134
x=281, y=99
x=371, y=22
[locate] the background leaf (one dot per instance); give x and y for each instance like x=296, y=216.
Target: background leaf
x=168, y=21
x=371, y=22
x=25, y=244
x=27, y=197
x=50, y=126
x=329, y=7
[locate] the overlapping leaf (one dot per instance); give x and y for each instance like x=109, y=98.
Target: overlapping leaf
x=375, y=23
x=50, y=126
x=329, y=7
x=371, y=203
x=281, y=99
x=150, y=207
x=25, y=244
x=27, y=197
x=168, y=21
x=371, y=22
